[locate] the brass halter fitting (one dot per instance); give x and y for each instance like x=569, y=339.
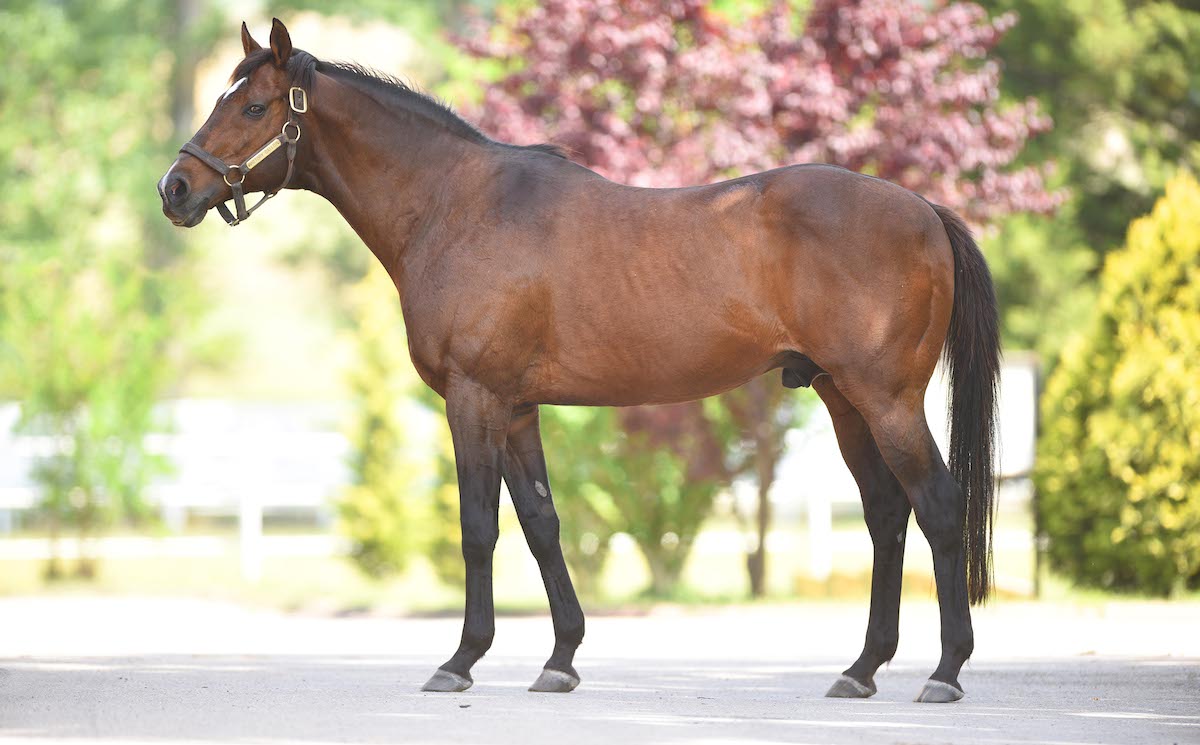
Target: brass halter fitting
x=298, y=99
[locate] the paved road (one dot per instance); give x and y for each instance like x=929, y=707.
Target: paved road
x=188, y=671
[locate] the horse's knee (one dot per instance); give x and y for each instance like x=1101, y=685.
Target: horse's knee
x=478, y=545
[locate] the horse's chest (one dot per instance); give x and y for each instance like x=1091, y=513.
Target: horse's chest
x=477, y=341
x=428, y=342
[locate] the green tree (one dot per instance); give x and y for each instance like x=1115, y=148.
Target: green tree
x=1120, y=79
x=442, y=534
x=1117, y=468
x=1044, y=275
x=571, y=437
x=97, y=294
x=651, y=472
x=373, y=509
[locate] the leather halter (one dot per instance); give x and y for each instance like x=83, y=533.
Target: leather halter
x=298, y=103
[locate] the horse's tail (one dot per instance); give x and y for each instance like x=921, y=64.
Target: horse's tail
x=972, y=357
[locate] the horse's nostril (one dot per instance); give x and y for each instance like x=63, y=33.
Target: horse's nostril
x=177, y=189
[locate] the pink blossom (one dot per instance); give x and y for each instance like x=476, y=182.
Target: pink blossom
x=902, y=89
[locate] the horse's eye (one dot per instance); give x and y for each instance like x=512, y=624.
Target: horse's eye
x=255, y=110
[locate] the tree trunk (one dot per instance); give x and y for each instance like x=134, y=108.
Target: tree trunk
x=53, y=570
x=756, y=561
x=86, y=568
x=662, y=579
x=665, y=570
x=764, y=471
x=183, y=74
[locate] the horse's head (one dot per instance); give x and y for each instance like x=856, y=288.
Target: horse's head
x=248, y=142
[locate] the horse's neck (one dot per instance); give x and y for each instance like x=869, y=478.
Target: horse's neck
x=380, y=170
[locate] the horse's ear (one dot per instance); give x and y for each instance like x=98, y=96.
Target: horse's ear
x=281, y=42
x=248, y=43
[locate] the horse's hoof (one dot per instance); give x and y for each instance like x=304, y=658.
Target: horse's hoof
x=937, y=692
x=554, y=681
x=444, y=681
x=847, y=687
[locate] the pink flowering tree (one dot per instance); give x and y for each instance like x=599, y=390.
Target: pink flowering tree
x=674, y=92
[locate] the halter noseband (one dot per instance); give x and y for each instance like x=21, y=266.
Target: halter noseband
x=298, y=103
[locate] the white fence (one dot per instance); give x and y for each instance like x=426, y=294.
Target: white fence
x=244, y=459
x=224, y=456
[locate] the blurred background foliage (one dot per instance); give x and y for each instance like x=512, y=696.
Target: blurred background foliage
x=1118, y=466
x=1052, y=123
x=96, y=292
x=1118, y=77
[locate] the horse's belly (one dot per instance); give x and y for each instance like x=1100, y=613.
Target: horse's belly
x=662, y=363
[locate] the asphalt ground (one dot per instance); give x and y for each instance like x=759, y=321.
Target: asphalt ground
x=181, y=671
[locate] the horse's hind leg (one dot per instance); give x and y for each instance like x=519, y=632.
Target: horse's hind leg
x=886, y=511
x=525, y=473
x=897, y=422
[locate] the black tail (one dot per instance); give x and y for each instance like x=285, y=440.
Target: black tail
x=972, y=357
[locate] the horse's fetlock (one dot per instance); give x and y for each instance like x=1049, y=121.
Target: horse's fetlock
x=478, y=641
x=570, y=636
x=883, y=646
x=960, y=646
x=966, y=647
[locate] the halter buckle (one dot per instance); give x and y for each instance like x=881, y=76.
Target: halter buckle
x=298, y=99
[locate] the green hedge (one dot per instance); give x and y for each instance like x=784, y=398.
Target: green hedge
x=1119, y=456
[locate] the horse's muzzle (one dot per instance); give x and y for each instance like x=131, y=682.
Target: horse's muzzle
x=182, y=206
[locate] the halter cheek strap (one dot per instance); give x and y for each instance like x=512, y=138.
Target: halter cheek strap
x=235, y=175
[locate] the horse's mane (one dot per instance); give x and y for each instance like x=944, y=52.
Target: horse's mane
x=302, y=66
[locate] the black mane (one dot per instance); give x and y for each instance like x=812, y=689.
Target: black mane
x=303, y=66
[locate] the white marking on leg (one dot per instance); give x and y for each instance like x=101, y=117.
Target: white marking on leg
x=540, y=488
x=233, y=88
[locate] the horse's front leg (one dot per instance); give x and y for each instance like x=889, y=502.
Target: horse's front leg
x=525, y=473
x=479, y=426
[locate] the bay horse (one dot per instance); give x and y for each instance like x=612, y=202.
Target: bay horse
x=527, y=279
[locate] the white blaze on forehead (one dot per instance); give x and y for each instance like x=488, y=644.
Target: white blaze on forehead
x=233, y=88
